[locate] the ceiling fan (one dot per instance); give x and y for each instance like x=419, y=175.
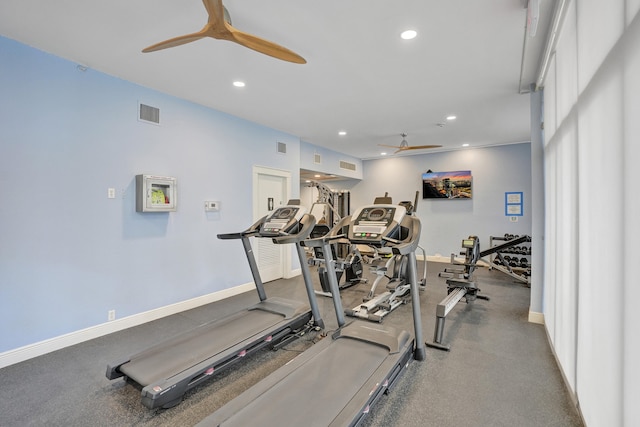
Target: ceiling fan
x=219, y=27
x=404, y=145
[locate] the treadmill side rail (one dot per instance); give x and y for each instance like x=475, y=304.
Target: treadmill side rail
x=113, y=370
x=286, y=308
x=385, y=336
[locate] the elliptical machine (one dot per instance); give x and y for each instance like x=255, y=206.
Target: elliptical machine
x=376, y=307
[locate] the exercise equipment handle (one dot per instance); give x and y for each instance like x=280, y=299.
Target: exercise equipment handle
x=404, y=248
x=319, y=241
x=249, y=232
x=307, y=223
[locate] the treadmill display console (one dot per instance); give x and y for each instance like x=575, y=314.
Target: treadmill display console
x=282, y=220
x=373, y=223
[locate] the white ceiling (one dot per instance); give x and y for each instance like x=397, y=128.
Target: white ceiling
x=360, y=76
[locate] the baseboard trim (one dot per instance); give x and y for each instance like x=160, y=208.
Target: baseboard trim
x=293, y=273
x=30, y=351
x=447, y=260
x=438, y=258
x=535, y=317
x=572, y=394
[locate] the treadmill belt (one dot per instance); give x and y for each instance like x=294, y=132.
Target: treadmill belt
x=331, y=379
x=184, y=351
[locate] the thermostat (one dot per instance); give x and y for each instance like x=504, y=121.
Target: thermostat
x=212, y=206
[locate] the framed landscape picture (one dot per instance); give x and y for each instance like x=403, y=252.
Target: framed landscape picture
x=446, y=185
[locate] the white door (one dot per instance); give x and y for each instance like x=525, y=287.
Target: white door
x=269, y=194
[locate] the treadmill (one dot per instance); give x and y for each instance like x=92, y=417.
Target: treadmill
x=169, y=369
x=336, y=382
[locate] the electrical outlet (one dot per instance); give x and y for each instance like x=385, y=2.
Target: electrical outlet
x=111, y=193
x=111, y=315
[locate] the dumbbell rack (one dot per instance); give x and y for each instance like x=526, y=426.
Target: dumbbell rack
x=513, y=260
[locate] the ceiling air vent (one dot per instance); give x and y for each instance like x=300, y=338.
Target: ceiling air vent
x=282, y=148
x=149, y=114
x=317, y=158
x=347, y=165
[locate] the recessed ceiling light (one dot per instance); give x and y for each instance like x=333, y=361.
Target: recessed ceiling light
x=408, y=34
x=452, y=117
x=238, y=83
x=383, y=154
x=317, y=176
x=342, y=133
x=465, y=145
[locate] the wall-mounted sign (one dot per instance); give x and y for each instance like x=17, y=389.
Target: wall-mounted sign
x=513, y=201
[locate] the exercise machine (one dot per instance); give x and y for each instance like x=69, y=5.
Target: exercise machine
x=460, y=284
x=339, y=379
x=350, y=267
x=166, y=371
x=330, y=207
x=376, y=307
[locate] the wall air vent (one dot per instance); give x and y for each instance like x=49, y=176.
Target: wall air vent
x=149, y=114
x=317, y=158
x=347, y=165
x=281, y=148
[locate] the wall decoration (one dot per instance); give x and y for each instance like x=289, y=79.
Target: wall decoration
x=513, y=203
x=446, y=185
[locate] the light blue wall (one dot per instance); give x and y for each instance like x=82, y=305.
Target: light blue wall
x=445, y=223
x=330, y=161
x=68, y=254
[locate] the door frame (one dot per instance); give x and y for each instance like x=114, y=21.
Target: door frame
x=287, y=268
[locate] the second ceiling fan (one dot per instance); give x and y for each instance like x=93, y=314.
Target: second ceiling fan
x=404, y=145
x=219, y=27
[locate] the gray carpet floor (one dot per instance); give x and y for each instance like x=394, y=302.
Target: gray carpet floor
x=500, y=370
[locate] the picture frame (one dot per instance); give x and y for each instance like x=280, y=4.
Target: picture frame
x=447, y=185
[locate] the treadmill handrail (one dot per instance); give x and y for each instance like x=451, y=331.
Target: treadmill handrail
x=406, y=247
x=249, y=232
x=317, y=242
x=336, y=233
x=307, y=222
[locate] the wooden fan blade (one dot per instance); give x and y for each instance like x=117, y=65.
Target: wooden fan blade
x=176, y=41
x=215, y=9
x=264, y=46
x=420, y=147
x=411, y=147
x=217, y=27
